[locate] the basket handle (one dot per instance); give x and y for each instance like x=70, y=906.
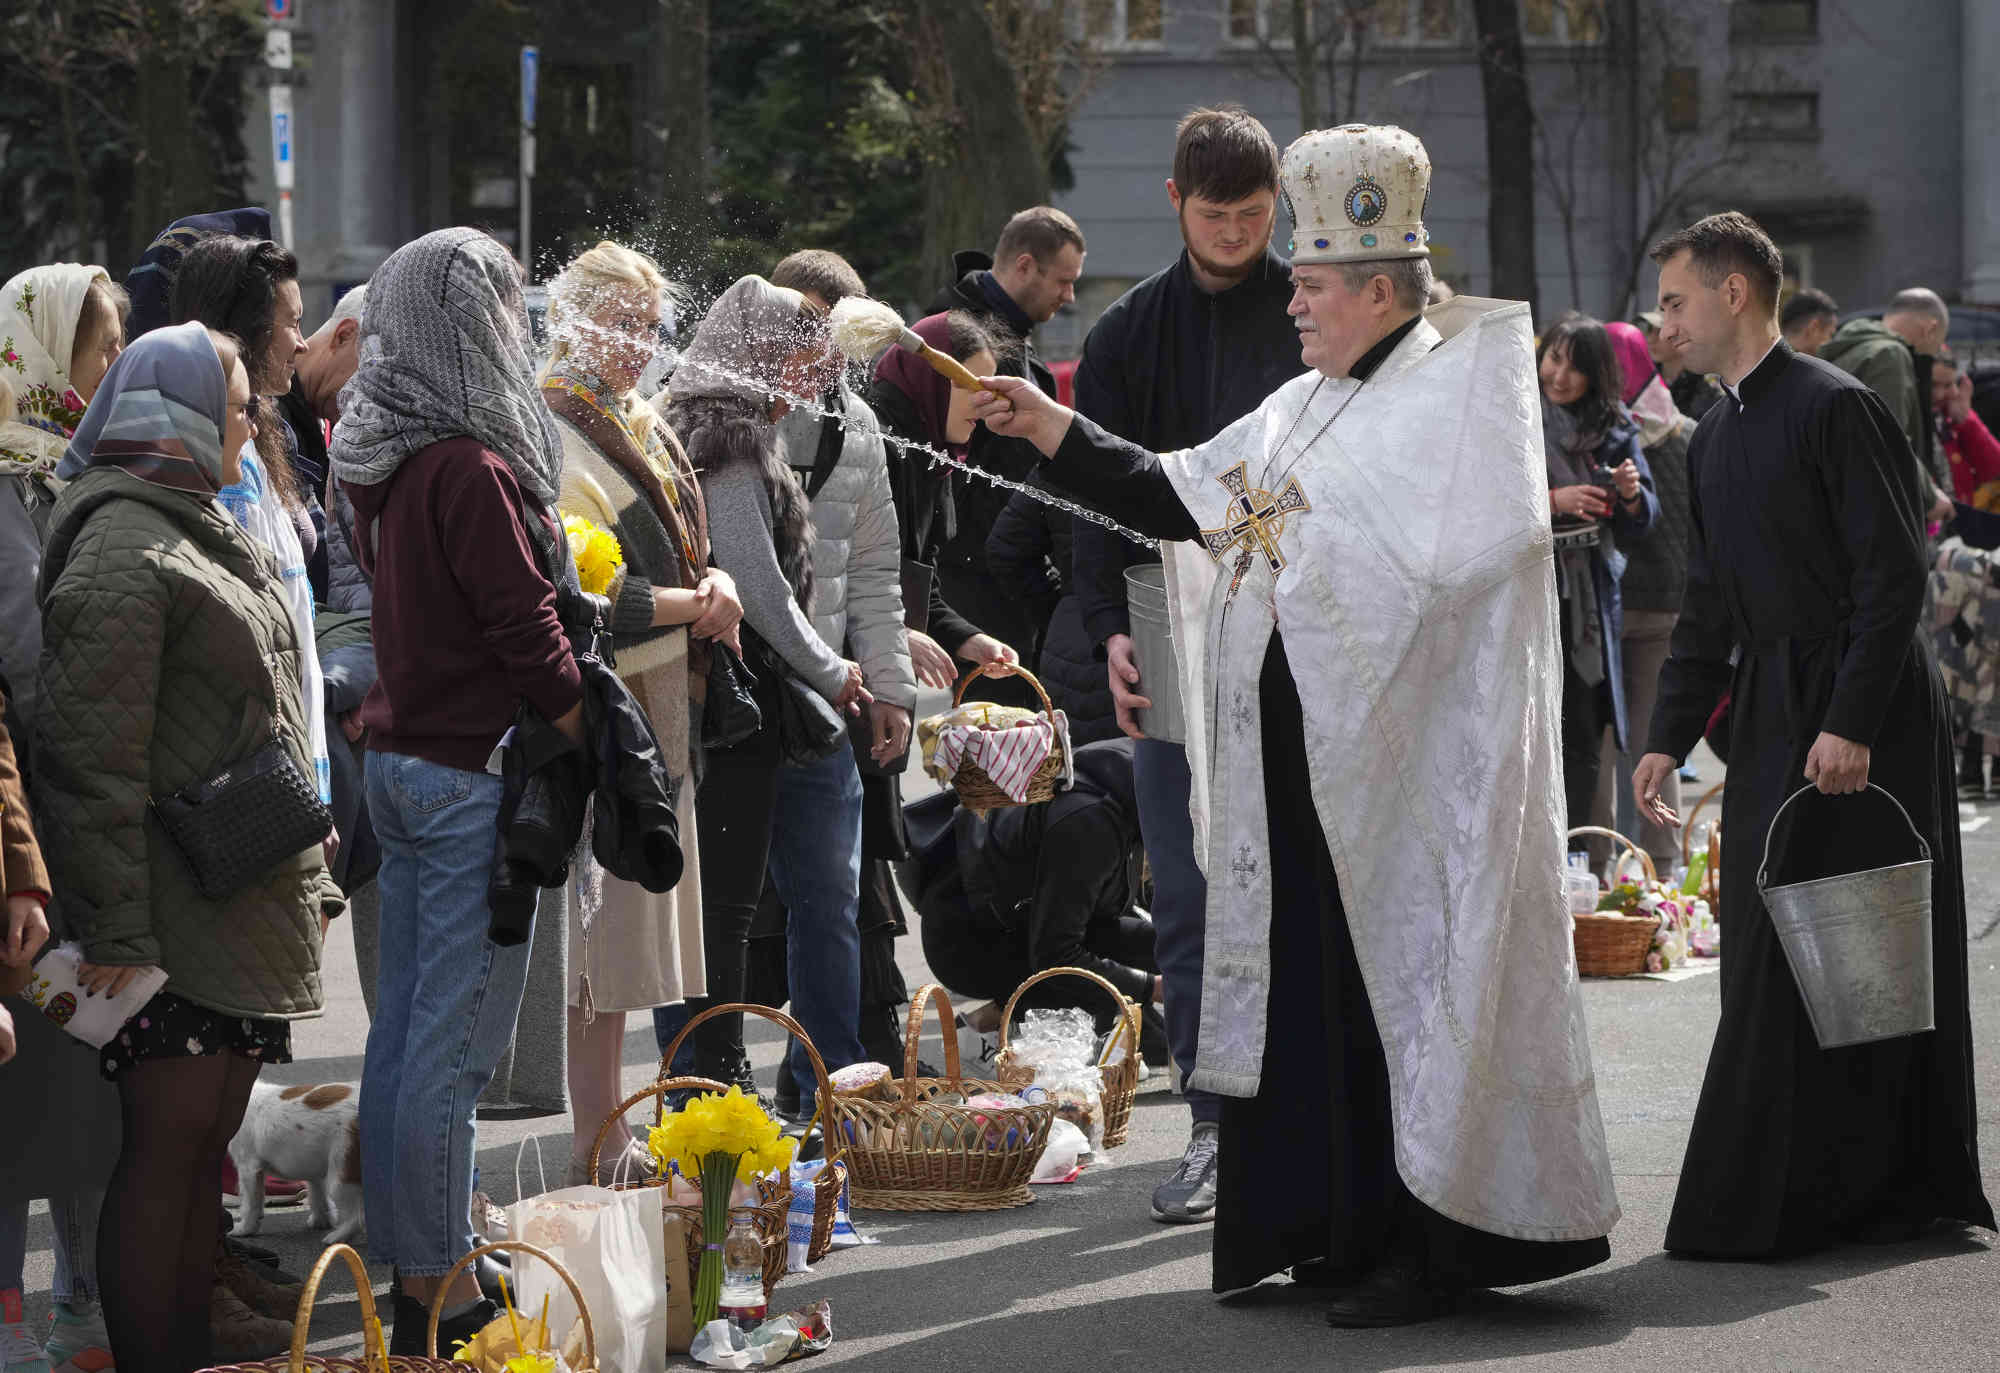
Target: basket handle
x=1687, y=825
x=783, y=1022
x=1128, y=1009
x=1012, y=670
x=1771, y=834
x=374, y=1355
x=519, y=1247
x=658, y=1089
x=1645, y=859
x=913, y=1031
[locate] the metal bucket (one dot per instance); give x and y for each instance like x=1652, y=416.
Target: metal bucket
x=1859, y=944
x=1153, y=648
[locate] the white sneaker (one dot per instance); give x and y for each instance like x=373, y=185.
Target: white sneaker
x=19, y=1351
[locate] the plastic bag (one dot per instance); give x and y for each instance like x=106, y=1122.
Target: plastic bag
x=1061, y=1161
x=793, y=1335
x=1059, y=1050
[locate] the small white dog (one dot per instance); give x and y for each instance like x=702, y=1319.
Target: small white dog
x=304, y=1132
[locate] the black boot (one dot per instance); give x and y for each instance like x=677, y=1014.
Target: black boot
x=1392, y=1295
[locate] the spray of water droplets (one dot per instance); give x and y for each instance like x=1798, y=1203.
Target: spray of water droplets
x=574, y=329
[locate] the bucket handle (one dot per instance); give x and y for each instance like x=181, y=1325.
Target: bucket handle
x=1770, y=835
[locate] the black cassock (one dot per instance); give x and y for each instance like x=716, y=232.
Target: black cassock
x=1307, y=1171
x=1807, y=554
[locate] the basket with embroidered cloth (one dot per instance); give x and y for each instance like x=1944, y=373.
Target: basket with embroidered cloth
x=994, y=755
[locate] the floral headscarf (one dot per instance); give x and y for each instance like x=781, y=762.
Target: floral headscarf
x=39, y=311
x=740, y=342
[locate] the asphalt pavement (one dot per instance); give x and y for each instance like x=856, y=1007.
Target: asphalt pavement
x=1084, y=1280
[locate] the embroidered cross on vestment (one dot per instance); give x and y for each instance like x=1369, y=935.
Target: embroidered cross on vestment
x=1253, y=522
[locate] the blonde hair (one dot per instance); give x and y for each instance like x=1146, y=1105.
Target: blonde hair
x=593, y=278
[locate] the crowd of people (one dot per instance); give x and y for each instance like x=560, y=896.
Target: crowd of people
x=344, y=553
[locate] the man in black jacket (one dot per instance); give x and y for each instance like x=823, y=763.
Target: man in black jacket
x=1032, y=274
x=1057, y=885
x=1172, y=363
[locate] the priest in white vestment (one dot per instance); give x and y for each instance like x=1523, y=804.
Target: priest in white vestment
x=1366, y=622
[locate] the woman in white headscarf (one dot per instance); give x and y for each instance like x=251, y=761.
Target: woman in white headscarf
x=61, y=327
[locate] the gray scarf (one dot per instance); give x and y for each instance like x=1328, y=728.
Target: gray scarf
x=1569, y=455
x=445, y=353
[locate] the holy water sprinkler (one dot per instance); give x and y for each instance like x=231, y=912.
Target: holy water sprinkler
x=862, y=328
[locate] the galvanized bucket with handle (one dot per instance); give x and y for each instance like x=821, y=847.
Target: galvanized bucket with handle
x=1859, y=943
x=1153, y=647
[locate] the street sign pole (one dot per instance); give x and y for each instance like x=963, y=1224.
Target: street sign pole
x=278, y=57
x=531, y=61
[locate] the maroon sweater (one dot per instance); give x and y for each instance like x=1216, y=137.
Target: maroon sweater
x=465, y=622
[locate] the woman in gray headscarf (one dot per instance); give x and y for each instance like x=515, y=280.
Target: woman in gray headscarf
x=448, y=453
x=755, y=354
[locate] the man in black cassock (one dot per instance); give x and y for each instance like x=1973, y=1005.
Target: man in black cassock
x=1806, y=560
x=1389, y=1001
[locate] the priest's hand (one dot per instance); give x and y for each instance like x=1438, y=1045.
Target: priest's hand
x=1019, y=410
x=1123, y=670
x=1648, y=777
x=1582, y=502
x=1837, y=766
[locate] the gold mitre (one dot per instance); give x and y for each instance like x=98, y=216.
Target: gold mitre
x=1357, y=194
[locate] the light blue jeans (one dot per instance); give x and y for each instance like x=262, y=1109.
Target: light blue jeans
x=74, y=1219
x=446, y=999
x=815, y=864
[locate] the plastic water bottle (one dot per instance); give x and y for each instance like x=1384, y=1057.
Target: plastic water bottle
x=742, y=1302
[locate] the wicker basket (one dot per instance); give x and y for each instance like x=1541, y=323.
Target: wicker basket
x=375, y=1357
x=919, y=1153
x=772, y=1215
x=832, y=1179
x=1609, y=944
x=1121, y=1080
x=976, y=791
x=1711, y=881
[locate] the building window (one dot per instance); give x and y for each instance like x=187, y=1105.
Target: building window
x=1774, y=20
x=1776, y=114
x=1126, y=23
x=1389, y=23
x=1578, y=23
x=1680, y=99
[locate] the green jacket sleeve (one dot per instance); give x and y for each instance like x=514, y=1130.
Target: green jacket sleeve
x=100, y=675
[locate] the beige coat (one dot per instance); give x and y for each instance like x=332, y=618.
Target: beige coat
x=629, y=949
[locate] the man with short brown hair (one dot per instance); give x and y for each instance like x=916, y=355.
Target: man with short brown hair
x=1805, y=587
x=1172, y=363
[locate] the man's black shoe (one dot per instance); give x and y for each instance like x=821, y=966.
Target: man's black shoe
x=413, y=1325
x=1390, y=1296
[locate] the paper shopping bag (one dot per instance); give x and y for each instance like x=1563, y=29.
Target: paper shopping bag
x=613, y=1245
x=680, y=1287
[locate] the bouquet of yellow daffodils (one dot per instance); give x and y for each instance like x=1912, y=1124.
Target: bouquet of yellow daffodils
x=719, y=1139
x=595, y=552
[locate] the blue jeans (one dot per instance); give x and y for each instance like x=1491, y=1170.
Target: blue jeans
x=446, y=999
x=74, y=1220
x=816, y=865
x=1180, y=900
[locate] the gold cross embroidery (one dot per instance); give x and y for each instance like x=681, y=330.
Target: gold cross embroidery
x=1253, y=522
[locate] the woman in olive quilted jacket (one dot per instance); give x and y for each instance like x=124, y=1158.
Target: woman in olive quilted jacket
x=168, y=654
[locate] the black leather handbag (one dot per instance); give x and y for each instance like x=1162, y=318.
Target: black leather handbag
x=236, y=827
x=809, y=728
x=730, y=714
